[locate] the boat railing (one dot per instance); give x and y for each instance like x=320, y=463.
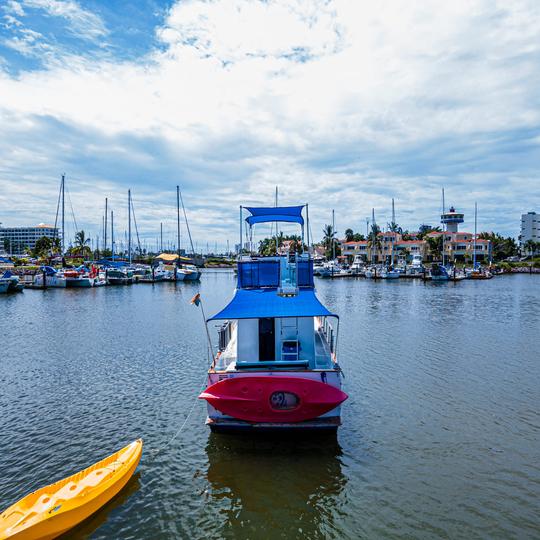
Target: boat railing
x=328, y=332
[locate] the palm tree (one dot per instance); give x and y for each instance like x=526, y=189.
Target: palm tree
x=530, y=247
x=374, y=242
x=329, y=239
x=435, y=246
x=349, y=235
x=394, y=227
x=329, y=234
x=81, y=242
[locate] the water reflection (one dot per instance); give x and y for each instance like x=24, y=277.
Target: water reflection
x=250, y=481
x=88, y=527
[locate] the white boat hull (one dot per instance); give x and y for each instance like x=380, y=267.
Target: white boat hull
x=50, y=281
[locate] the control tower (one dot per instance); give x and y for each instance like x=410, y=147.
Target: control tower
x=452, y=219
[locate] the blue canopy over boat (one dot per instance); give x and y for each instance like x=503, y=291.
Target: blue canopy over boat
x=290, y=214
x=263, y=303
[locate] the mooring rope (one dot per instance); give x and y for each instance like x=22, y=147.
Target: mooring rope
x=158, y=451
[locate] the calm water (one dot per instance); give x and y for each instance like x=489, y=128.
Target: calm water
x=440, y=435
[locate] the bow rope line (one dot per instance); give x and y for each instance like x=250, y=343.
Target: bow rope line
x=196, y=300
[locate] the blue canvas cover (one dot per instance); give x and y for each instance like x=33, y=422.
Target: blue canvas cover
x=290, y=214
x=262, y=303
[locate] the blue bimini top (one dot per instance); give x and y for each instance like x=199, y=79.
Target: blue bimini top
x=266, y=303
x=290, y=214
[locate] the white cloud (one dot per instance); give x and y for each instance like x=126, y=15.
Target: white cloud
x=341, y=102
x=84, y=23
x=14, y=7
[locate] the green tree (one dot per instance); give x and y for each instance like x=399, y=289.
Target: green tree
x=7, y=245
x=435, y=246
x=81, y=241
x=349, y=235
x=394, y=227
x=374, y=242
x=501, y=248
x=424, y=230
x=330, y=242
x=43, y=247
x=530, y=247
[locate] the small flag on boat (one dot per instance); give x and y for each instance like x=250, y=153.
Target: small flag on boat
x=196, y=299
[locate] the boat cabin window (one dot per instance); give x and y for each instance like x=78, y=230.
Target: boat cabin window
x=267, y=343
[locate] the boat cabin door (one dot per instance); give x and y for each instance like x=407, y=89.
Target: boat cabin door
x=267, y=343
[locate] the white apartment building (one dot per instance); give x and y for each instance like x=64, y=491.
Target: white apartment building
x=18, y=240
x=530, y=228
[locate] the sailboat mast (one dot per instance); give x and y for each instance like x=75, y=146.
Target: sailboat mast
x=474, y=241
x=393, y=226
x=161, y=235
x=105, y=225
x=63, y=214
x=373, y=236
x=129, y=225
x=444, y=230
x=178, y=217
x=333, y=237
x=112, y=235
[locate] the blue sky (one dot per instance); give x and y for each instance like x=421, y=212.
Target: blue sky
x=342, y=104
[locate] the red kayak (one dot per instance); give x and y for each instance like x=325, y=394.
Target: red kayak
x=273, y=399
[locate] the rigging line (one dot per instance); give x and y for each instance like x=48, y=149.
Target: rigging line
x=136, y=228
x=179, y=430
x=57, y=210
x=187, y=224
x=72, y=212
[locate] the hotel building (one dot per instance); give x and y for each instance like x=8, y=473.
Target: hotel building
x=19, y=240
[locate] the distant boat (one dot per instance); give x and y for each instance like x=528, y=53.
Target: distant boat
x=4, y=285
x=119, y=276
x=77, y=278
x=439, y=273
x=52, y=278
x=389, y=273
x=190, y=272
x=14, y=283
x=416, y=266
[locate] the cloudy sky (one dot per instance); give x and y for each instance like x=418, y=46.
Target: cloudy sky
x=341, y=103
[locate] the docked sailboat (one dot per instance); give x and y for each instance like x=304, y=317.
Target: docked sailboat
x=276, y=367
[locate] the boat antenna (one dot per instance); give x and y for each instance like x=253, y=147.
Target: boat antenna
x=187, y=222
x=240, y=244
x=277, y=237
x=307, y=230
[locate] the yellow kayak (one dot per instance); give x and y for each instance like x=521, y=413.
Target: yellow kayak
x=56, y=508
